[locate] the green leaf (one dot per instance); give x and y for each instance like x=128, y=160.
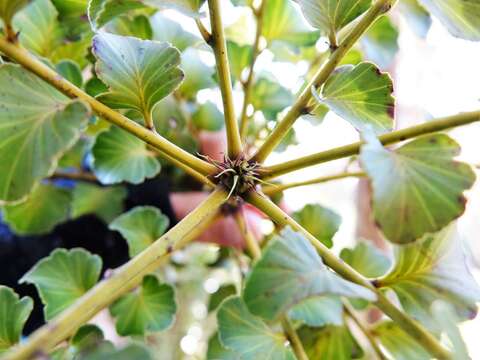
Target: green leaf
x=151, y=308
x=398, y=343
x=63, y=277
x=71, y=7
x=216, y=351
x=221, y=294
x=198, y=75
x=120, y=156
x=87, y=337
x=460, y=17
x=14, y=312
x=167, y=30
x=367, y=259
x=362, y=95
x=289, y=271
x=248, y=335
x=187, y=7
x=416, y=16
x=100, y=12
x=332, y=15
x=380, y=42
x=39, y=28
x=239, y=57
x=95, y=86
x=282, y=21
x=330, y=343
x=318, y=114
x=8, y=8
x=38, y=124
x=105, y=202
x=139, y=73
x=208, y=117
x=318, y=311
x=46, y=207
x=75, y=51
x=321, y=222
x=433, y=268
x=70, y=71
x=129, y=352
x=269, y=96
x=140, y=226
x=138, y=26
x=418, y=188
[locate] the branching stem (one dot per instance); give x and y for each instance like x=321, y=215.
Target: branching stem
x=225, y=81
x=298, y=108
x=409, y=325
x=270, y=172
x=123, y=280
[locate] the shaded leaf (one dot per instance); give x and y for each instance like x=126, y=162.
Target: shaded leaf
x=120, y=156
x=46, y=207
x=198, y=75
x=380, y=42
x=418, y=188
x=318, y=311
x=221, y=294
x=216, y=351
x=105, y=202
x=460, y=17
x=140, y=226
x=321, y=222
x=38, y=124
x=151, y=308
x=367, y=259
x=417, y=17
x=332, y=15
x=138, y=26
x=186, y=7
x=239, y=57
x=269, y=96
x=362, y=95
x=289, y=271
x=139, y=73
x=70, y=71
x=63, y=277
x=208, y=117
x=165, y=29
x=14, y=312
x=431, y=269
x=100, y=12
x=248, y=335
x=129, y=352
x=8, y=8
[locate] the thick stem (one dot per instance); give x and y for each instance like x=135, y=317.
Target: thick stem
x=123, y=279
x=274, y=189
x=372, y=341
x=300, y=105
x=248, y=85
x=270, y=172
x=409, y=325
x=170, y=151
x=225, y=81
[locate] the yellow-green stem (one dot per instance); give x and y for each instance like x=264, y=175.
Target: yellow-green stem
x=170, y=151
x=409, y=325
x=122, y=280
x=247, y=86
x=276, y=188
x=217, y=41
x=294, y=340
x=270, y=172
x=300, y=105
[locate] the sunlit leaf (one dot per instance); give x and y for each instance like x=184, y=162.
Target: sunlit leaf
x=38, y=124
x=14, y=312
x=140, y=226
x=332, y=15
x=362, y=95
x=138, y=72
x=120, y=156
x=417, y=188
x=380, y=43
x=137, y=26
x=367, y=259
x=240, y=57
x=186, y=7
x=460, y=17
x=105, y=202
x=208, y=117
x=289, y=271
x=330, y=343
x=321, y=222
x=198, y=75
x=151, y=308
x=165, y=29
x=248, y=335
x=417, y=17
x=100, y=12
x=8, y=8
x=63, y=277
x=71, y=7
x=433, y=268
x=46, y=207
x=318, y=311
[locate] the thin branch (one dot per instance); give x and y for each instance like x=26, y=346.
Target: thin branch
x=225, y=81
x=294, y=339
x=408, y=324
x=203, y=31
x=274, y=189
x=372, y=341
x=270, y=172
x=301, y=104
x=170, y=151
x=247, y=86
x=123, y=280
